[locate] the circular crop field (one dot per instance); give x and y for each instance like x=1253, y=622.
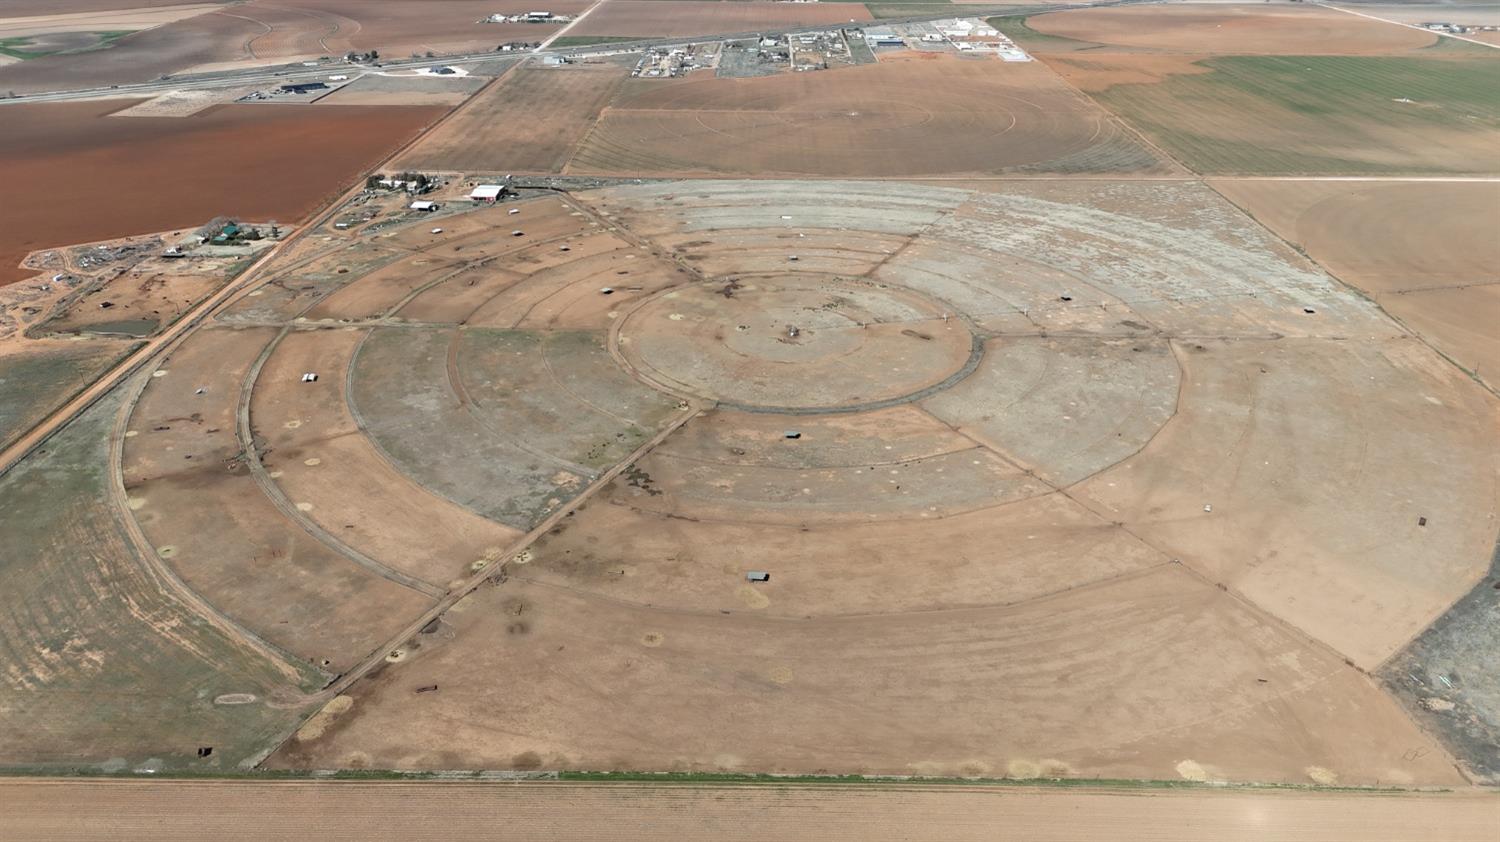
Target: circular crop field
x=919, y=475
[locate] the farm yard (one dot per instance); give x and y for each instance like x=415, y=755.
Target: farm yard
x=110, y=177
x=1110, y=398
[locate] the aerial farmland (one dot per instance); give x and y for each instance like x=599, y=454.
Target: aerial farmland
x=907, y=402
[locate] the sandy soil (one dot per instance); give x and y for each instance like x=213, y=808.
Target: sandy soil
x=1460, y=322
x=684, y=18
x=1018, y=689
x=166, y=811
x=199, y=506
x=84, y=177
x=923, y=114
x=1134, y=556
x=114, y=20
x=316, y=451
x=544, y=113
x=1229, y=29
x=405, y=90
x=1424, y=251
x=1383, y=237
x=26, y=8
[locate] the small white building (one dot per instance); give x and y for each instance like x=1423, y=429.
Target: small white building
x=423, y=206
x=486, y=192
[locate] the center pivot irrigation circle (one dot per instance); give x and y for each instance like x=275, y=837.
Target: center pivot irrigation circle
x=802, y=343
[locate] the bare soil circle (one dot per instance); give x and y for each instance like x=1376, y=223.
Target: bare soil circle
x=796, y=342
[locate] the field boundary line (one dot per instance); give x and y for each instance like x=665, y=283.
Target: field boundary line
x=496, y=567
x=1363, y=295
x=167, y=579
x=561, y=32
x=246, y=438
x=1409, y=26
x=250, y=279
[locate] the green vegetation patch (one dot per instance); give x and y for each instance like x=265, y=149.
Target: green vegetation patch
x=106, y=670
x=37, y=46
x=899, y=9
x=590, y=40
x=1301, y=115
x=34, y=384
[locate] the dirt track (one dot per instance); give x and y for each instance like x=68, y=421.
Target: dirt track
x=169, y=810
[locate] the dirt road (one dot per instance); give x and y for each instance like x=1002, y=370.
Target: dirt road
x=166, y=810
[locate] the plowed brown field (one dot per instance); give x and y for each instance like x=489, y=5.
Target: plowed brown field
x=74, y=175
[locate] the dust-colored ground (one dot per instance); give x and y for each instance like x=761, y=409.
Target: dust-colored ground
x=686, y=18
x=200, y=506
x=920, y=114
x=171, y=810
x=427, y=89
x=25, y=8
x=143, y=300
x=188, y=103
x=1218, y=28
x=13, y=25
x=315, y=450
x=1424, y=251
x=76, y=176
x=1095, y=511
x=543, y=113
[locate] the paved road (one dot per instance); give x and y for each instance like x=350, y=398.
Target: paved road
x=164, y=811
x=283, y=74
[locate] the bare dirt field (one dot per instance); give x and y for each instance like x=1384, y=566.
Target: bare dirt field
x=685, y=18
x=405, y=90
x=143, y=300
x=78, y=176
x=543, y=112
x=938, y=511
x=312, y=28
x=26, y=8
x=921, y=114
x=1423, y=251
x=1220, y=29
x=164, y=811
x=13, y=25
